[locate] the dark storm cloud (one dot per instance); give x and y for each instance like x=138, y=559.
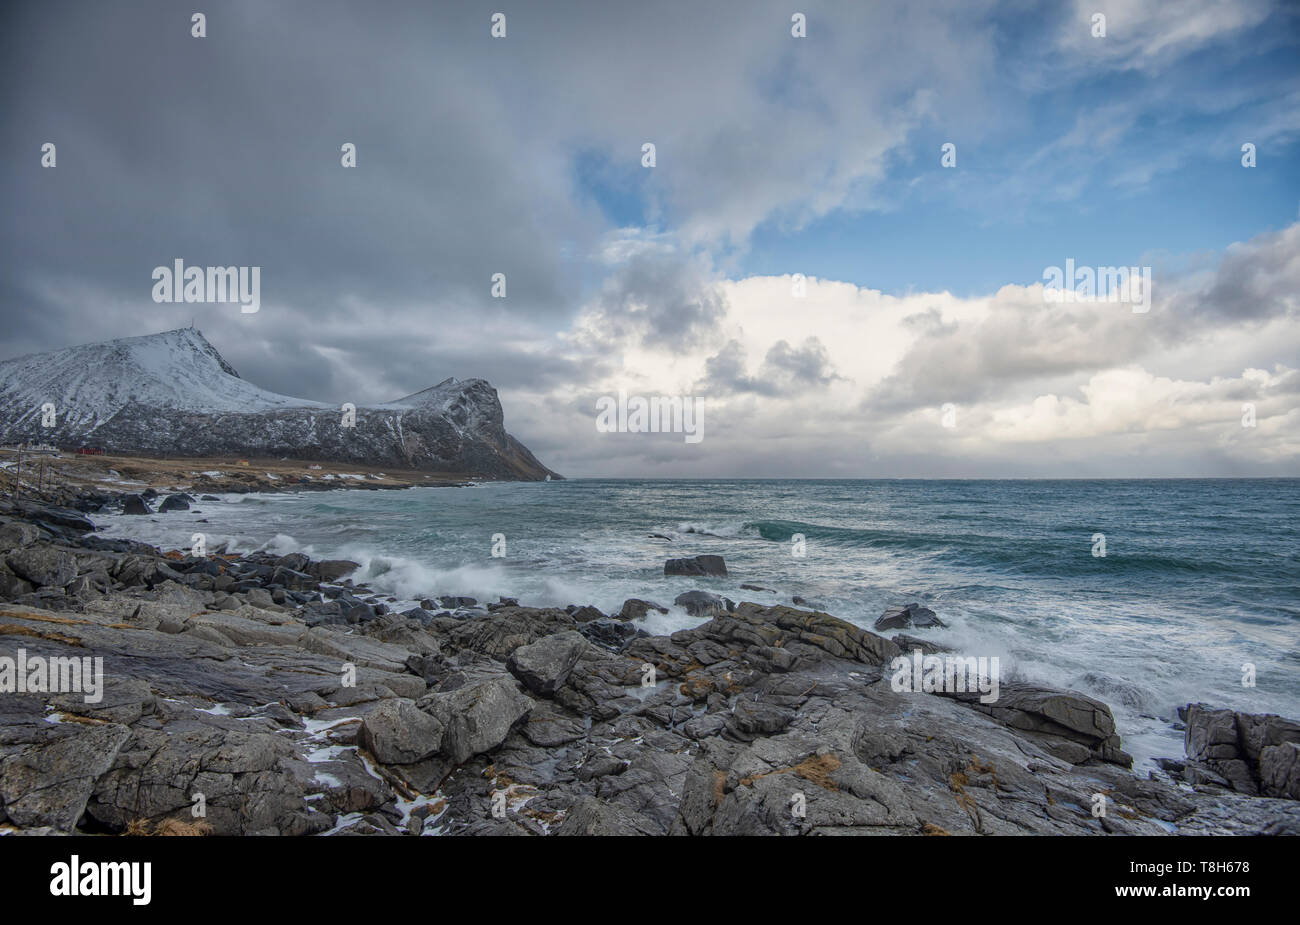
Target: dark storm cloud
x=226, y=150
x=785, y=371
x=1254, y=281
x=661, y=300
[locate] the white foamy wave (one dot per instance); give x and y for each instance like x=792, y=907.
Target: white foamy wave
x=410, y=579
x=282, y=544
x=724, y=529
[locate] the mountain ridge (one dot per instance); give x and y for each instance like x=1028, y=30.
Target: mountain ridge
x=172, y=393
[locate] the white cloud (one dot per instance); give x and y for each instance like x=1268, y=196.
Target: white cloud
x=851, y=381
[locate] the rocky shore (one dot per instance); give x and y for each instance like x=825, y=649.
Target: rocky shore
x=87, y=483
x=263, y=694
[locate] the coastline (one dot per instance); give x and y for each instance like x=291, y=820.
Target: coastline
x=463, y=717
x=85, y=482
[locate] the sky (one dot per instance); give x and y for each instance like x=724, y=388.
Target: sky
x=799, y=258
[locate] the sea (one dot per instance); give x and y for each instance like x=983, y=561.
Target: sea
x=1147, y=594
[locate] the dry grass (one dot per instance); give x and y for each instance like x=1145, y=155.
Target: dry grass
x=958, y=781
x=816, y=769
x=719, y=787
x=38, y=617
x=13, y=629
x=170, y=828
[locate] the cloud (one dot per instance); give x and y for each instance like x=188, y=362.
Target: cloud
x=1039, y=388
x=784, y=371
x=471, y=156
x=1151, y=34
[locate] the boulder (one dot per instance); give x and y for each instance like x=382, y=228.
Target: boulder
x=455, y=603
x=1253, y=752
x=176, y=502
x=908, y=643
x=802, y=602
x=11, y=586
x=612, y=634
x=704, y=603
x=913, y=615
x=697, y=566
x=44, y=566
x=135, y=504
x=292, y=579
x=334, y=569
x=544, y=666
x=396, y=732
x=476, y=717
x=55, y=518
x=49, y=782
x=17, y=533
x=1279, y=770
x=296, y=561
x=1070, y=725
x=586, y=614
x=636, y=609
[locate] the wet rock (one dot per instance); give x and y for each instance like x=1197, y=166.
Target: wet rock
x=292, y=579
x=454, y=602
x=60, y=519
x=1071, y=725
x=176, y=502
x=801, y=602
x=703, y=603
x=913, y=615
x=135, y=504
x=334, y=569
x=697, y=566
x=294, y=561
x=908, y=643
x=612, y=634
x=716, y=729
x=636, y=609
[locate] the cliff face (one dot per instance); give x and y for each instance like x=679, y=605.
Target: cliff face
x=173, y=394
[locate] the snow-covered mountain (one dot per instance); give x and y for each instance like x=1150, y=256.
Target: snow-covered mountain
x=172, y=394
